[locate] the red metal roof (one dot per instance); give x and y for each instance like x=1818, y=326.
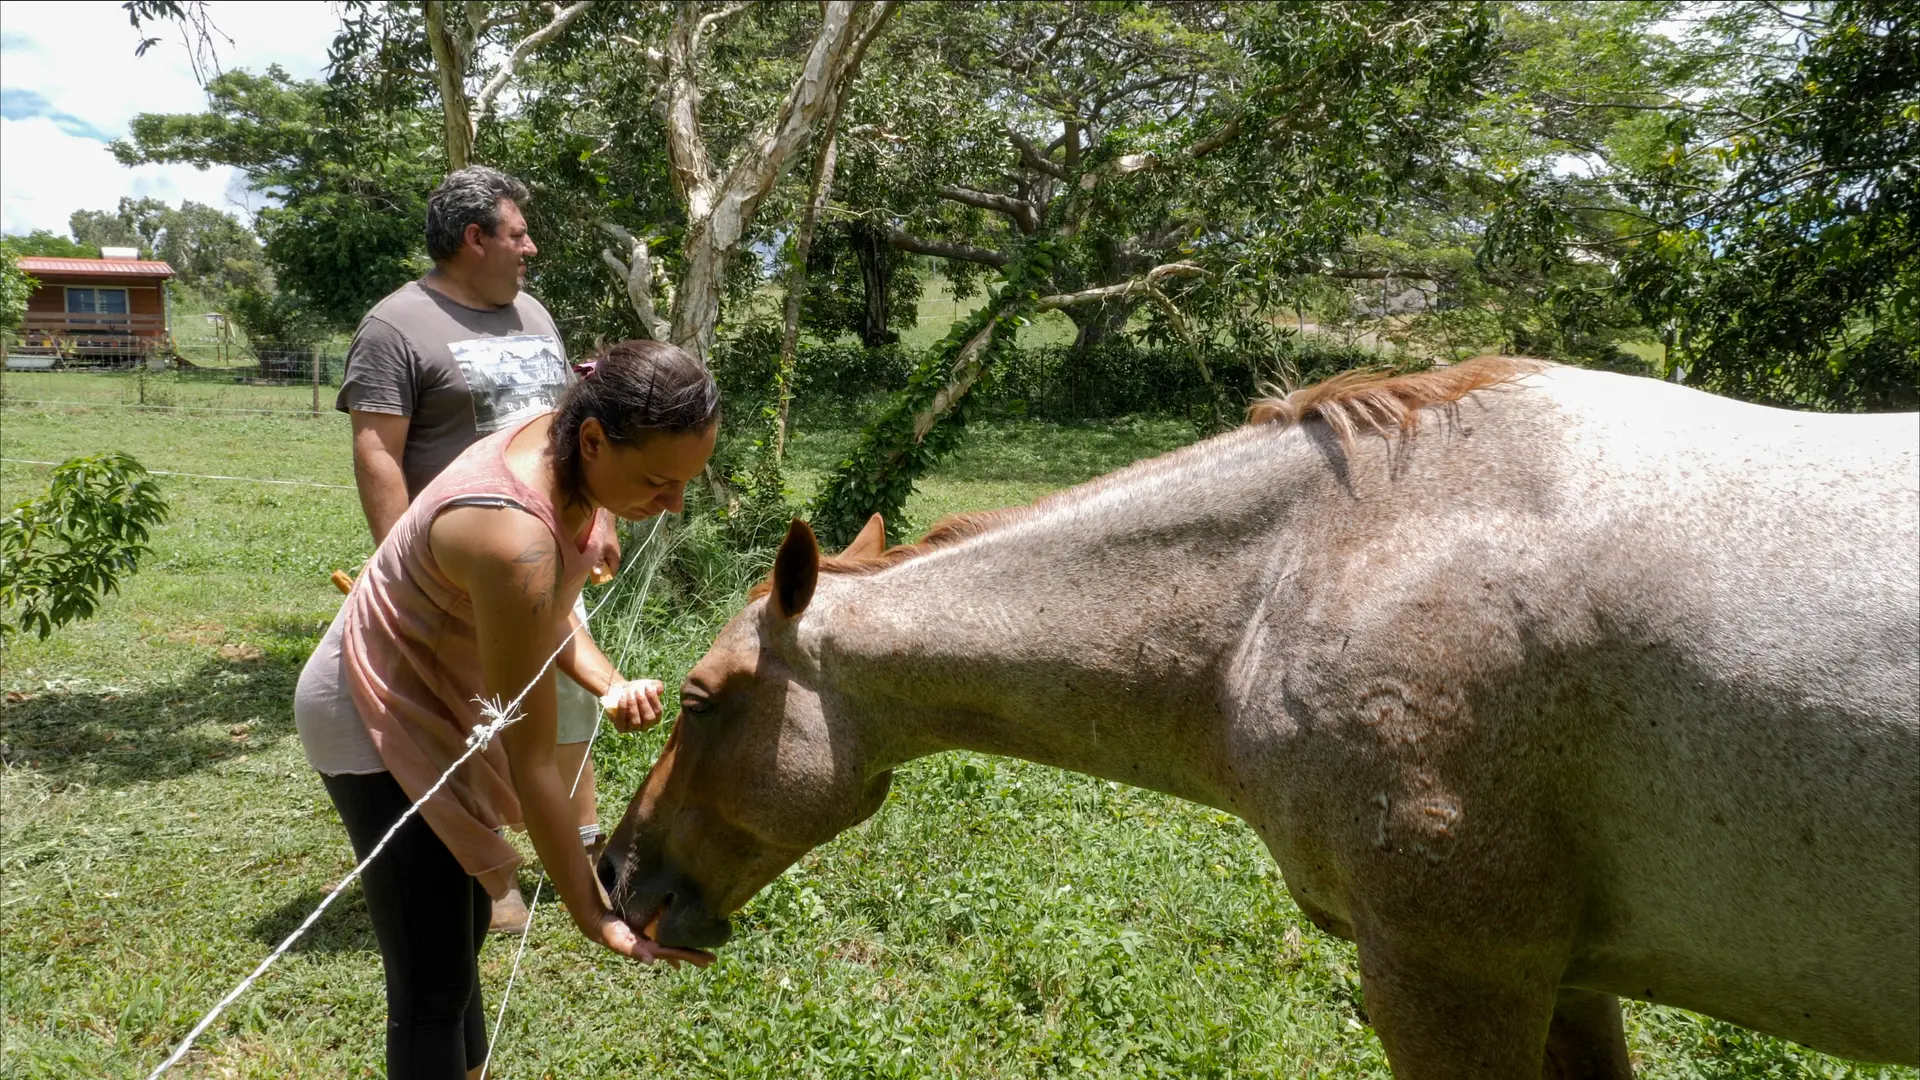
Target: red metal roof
x=46, y=264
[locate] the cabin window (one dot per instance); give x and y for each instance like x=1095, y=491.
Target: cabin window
x=96, y=301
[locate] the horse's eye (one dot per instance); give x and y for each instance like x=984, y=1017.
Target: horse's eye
x=693, y=705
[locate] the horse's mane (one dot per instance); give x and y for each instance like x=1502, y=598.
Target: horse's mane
x=1348, y=403
x=1383, y=403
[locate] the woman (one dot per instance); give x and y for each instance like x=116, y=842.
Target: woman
x=466, y=599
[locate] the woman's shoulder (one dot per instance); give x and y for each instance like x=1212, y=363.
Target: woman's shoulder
x=477, y=541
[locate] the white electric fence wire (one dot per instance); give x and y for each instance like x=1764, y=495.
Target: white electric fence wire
x=13, y=402
x=206, y=476
x=22, y=402
x=533, y=906
x=499, y=717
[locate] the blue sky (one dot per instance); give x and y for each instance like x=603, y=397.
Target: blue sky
x=69, y=83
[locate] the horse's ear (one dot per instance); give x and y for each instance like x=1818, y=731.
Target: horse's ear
x=796, y=570
x=871, y=543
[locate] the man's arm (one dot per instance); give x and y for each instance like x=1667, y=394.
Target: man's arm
x=379, y=447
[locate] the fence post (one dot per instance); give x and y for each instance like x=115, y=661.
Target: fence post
x=316, y=380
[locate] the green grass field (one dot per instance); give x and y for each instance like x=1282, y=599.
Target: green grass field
x=159, y=832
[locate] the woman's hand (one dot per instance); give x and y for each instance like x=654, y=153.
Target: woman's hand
x=613, y=932
x=634, y=704
x=606, y=563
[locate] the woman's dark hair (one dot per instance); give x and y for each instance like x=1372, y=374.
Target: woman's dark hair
x=635, y=389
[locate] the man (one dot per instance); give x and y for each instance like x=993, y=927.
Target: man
x=445, y=360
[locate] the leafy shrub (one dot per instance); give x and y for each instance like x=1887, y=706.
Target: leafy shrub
x=64, y=551
x=15, y=286
x=744, y=363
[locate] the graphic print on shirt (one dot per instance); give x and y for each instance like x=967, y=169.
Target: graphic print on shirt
x=509, y=376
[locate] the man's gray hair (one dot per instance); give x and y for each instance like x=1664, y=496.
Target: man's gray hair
x=470, y=196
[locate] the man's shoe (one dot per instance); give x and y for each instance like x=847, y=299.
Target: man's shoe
x=509, y=914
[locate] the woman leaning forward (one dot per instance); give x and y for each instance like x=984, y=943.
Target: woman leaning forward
x=465, y=600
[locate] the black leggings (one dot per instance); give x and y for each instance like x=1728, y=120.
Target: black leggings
x=430, y=917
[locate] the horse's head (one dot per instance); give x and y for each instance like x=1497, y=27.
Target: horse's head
x=763, y=765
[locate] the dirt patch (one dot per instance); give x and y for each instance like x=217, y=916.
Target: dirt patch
x=208, y=633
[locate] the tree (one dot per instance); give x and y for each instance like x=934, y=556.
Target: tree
x=349, y=164
x=15, y=286
x=456, y=42
x=1191, y=178
x=62, y=552
x=97, y=229
x=720, y=200
x=46, y=242
x=1746, y=187
x=1794, y=275
x=210, y=250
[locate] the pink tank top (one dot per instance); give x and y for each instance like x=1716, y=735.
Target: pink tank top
x=413, y=660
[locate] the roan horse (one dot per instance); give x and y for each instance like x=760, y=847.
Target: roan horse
x=1544, y=686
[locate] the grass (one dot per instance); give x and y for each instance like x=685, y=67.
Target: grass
x=159, y=832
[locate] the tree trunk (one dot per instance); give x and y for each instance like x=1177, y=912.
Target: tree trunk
x=721, y=208
x=451, y=51
x=871, y=248
x=821, y=187
x=696, y=302
x=1097, y=324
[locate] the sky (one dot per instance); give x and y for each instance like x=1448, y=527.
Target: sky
x=69, y=83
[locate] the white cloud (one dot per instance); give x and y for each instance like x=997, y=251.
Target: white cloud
x=69, y=81
x=46, y=174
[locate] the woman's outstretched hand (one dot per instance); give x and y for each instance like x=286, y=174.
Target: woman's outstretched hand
x=613, y=932
x=634, y=705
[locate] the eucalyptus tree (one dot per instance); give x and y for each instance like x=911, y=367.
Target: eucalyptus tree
x=456, y=35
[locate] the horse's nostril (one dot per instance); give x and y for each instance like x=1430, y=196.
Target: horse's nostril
x=609, y=874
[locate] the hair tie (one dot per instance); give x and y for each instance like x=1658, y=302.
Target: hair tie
x=585, y=370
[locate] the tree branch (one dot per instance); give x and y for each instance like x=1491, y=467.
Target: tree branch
x=945, y=250
x=1023, y=213
x=1378, y=274
x=452, y=49
x=1033, y=157
x=642, y=276
x=562, y=17
x=686, y=150
x=859, y=50
x=1144, y=285
x=719, y=210
x=1195, y=347
x=966, y=371
x=711, y=19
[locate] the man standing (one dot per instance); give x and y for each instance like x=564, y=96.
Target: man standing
x=445, y=360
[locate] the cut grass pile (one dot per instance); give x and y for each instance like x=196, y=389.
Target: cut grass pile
x=159, y=832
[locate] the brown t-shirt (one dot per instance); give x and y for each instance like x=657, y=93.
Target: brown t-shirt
x=460, y=373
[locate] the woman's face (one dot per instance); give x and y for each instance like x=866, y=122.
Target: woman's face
x=636, y=480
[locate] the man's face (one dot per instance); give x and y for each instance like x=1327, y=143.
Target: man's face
x=501, y=268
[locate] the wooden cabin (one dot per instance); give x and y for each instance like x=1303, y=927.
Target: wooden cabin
x=111, y=310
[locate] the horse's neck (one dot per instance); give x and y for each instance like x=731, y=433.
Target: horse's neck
x=1095, y=636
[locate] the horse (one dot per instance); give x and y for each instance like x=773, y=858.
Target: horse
x=1546, y=687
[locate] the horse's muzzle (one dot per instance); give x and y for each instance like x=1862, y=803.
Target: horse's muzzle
x=664, y=905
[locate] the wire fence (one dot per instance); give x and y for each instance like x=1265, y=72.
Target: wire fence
x=268, y=380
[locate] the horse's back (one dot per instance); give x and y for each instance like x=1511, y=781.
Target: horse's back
x=1689, y=628
x=1753, y=816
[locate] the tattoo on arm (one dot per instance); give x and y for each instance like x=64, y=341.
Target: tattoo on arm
x=540, y=581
